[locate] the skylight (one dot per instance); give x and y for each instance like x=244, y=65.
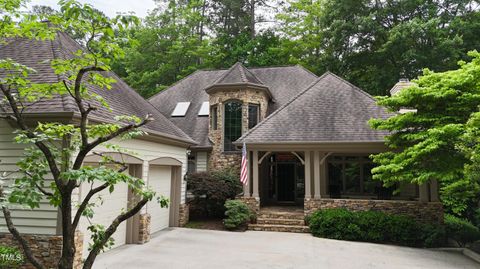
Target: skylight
x=181, y=109
x=204, y=109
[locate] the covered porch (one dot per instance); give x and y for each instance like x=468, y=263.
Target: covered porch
x=319, y=176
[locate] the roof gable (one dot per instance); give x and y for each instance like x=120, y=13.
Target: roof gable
x=329, y=110
x=122, y=99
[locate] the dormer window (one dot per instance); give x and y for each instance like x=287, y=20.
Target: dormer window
x=233, y=124
x=181, y=109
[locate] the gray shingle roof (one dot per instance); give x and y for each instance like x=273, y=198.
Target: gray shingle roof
x=330, y=110
x=238, y=74
x=121, y=98
x=283, y=83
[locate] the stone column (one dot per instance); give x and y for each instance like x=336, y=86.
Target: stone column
x=255, y=183
x=423, y=192
x=434, y=191
x=308, y=178
x=316, y=174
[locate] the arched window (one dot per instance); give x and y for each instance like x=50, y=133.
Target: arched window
x=232, y=129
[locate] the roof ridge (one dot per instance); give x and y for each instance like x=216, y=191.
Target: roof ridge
x=173, y=84
x=226, y=74
x=283, y=106
x=351, y=85
x=243, y=76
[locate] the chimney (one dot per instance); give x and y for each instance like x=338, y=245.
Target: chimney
x=401, y=84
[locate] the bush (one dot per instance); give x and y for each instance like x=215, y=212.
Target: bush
x=238, y=214
x=10, y=257
x=461, y=230
x=211, y=190
x=374, y=226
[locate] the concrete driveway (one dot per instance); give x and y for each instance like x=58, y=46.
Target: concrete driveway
x=181, y=248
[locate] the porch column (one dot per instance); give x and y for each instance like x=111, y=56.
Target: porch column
x=255, y=174
x=316, y=174
x=308, y=178
x=423, y=192
x=246, y=187
x=434, y=191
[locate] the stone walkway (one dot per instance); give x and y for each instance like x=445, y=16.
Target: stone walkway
x=181, y=248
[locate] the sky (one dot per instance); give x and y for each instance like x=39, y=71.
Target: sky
x=109, y=7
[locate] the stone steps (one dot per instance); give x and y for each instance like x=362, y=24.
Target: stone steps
x=277, y=221
x=280, y=215
x=279, y=228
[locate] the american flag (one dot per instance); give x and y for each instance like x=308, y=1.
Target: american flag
x=243, y=169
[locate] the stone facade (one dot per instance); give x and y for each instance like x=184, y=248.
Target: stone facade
x=431, y=212
x=144, y=228
x=252, y=202
x=46, y=248
x=218, y=158
x=184, y=215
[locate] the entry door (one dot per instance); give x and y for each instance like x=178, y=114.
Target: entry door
x=286, y=182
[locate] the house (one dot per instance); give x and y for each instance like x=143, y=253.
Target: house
x=307, y=138
x=159, y=158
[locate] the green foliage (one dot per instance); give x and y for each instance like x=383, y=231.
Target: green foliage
x=237, y=214
x=211, y=190
x=374, y=226
x=440, y=140
x=461, y=230
x=10, y=257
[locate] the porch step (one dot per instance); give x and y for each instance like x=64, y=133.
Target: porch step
x=279, y=221
x=280, y=215
x=279, y=228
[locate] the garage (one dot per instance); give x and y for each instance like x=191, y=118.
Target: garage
x=160, y=180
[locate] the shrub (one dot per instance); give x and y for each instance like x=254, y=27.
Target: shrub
x=374, y=226
x=238, y=214
x=10, y=257
x=211, y=190
x=460, y=230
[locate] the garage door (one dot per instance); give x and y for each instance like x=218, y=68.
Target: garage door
x=160, y=178
x=107, y=209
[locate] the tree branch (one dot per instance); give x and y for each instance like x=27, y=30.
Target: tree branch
x=110, y=230
x=11, y=228
x=86, y=149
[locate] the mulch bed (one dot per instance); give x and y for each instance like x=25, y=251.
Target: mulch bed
x=206, y=224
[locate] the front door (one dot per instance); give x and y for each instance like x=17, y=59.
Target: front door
x=286, y=182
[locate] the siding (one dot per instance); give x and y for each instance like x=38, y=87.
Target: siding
x=41, y=220
x=202, y=161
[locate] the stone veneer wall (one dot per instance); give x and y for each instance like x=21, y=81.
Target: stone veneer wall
x=252, y=203
x=144, y=228
x=431, y=212
x=218, y=159
x=46, y=248
x=184, y=213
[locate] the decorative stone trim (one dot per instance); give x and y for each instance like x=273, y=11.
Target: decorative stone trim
x=431, y=212
x=252, y=202
x=46, y=248
x=184, y=215
x=144, y=228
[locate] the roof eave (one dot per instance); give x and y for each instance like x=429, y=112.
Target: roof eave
x=235, y=86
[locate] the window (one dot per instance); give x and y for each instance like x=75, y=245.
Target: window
x=192, y=163
x=253, y=115
x=203, y=109
x=213, y=117
x=232, y=124
x=181, y=109
x=351, y=175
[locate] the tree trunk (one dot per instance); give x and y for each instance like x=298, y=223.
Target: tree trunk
x=68, y=246
x=252, y=19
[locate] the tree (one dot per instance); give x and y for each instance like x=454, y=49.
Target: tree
x=374, y=43
x=440, y=140
x=53, y=164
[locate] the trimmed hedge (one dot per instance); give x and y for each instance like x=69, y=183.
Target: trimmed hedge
x=460, y=230
x=238, y=214
x=375, y=227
